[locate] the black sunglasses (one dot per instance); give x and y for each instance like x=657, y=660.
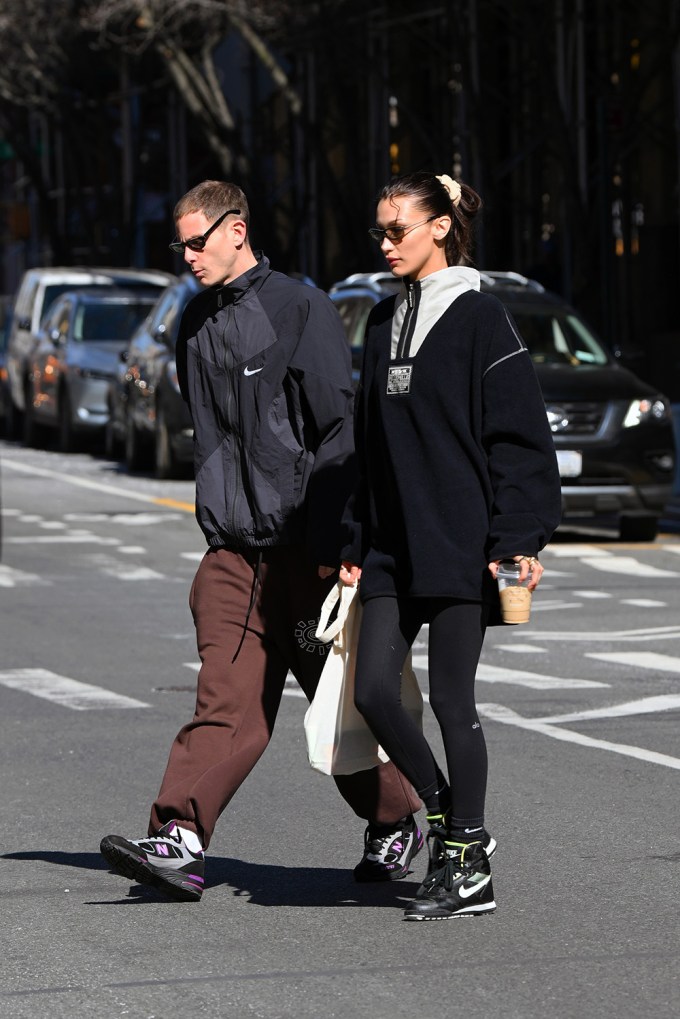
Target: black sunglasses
x=198, y=243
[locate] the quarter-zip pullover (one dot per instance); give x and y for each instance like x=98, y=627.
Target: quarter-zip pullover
x=456, y=457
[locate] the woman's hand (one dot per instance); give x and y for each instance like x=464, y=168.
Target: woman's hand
x=350, y=574
x=527, y=564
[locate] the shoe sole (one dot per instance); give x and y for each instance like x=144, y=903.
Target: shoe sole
x=130, y=866
x=471, y=911
x=391, y=875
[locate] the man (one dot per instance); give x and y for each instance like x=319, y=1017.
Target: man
x=264, y=366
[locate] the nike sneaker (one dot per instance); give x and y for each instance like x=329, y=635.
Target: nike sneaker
x=461, y=887
x=436, y=840
x=162, y=861
x=388, y=850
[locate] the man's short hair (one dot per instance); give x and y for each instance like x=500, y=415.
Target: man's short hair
x=212, y=198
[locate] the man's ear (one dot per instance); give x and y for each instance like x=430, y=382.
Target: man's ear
x=239, y=231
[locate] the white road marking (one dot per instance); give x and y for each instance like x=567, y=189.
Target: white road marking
x=639, y=659
x=645, y=706
x=499, y=713
x=628, y=565
x=647, y=633
x=9, y=577
x=53, y=525
x=520, y=677
x=193, y=556
x=528, y=649
x=68, y=693
x=577, y=551
x=132, y=550
x=591, y=594
x=550, y=606
x=644, y=603
x=60, y=539
x=97, y=486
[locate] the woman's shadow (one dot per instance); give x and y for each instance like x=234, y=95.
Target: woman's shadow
x=262, y=884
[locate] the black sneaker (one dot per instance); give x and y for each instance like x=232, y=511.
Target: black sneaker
x=461, y=887
x=437, y=836
x=161, y=860
x=388, y=851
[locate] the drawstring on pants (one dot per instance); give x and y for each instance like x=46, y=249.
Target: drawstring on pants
x=253, y=596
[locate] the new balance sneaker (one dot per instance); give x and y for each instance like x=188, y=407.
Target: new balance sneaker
x=461, y=887
x=436, y=839
x=162, y=861
x=388, y=851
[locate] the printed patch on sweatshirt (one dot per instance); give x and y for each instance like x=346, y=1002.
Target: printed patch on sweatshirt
x=399, y=379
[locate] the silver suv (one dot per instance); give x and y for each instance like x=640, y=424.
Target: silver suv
x=37, y=290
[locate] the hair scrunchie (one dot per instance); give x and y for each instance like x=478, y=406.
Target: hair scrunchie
x=452, y=186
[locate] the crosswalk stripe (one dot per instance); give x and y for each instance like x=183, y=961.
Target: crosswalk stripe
x=520, y=677
x=644, y=706
x=639, y=659
x=499, y=713
x=68, y=693
x=626, y=564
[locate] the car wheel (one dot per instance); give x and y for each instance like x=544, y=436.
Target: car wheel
x=638, y=526
x=67, y=433
x=136, y=451
x=164, y=458
x=32, y=432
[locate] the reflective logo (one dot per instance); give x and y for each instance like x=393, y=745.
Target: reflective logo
x=558, y=419
x=253, y=371
x=305, y=634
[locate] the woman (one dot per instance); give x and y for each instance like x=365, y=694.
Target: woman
x=458, y=472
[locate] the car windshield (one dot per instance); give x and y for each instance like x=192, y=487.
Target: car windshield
x=557, y=336
x=109, y=321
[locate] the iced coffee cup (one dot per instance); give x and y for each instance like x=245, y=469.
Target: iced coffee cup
x=515, y=595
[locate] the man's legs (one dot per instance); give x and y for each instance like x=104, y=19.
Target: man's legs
x=236, y=702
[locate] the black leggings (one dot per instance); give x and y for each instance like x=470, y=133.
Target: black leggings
x=388, y=629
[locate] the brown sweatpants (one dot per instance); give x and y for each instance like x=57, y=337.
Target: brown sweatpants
x=237, y=702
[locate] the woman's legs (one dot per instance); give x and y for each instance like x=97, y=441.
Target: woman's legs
x=388, y=628
x=455, y=645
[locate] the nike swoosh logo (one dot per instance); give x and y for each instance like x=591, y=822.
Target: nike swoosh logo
x=465, y=893
x=254, y=371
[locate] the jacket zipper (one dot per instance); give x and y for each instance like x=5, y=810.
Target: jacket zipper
x=228, y=413
x=410, y=319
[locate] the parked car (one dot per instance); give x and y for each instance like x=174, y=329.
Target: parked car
x=147, y=416
x=5, y=320
x=37, y=290
x=75, y=356
x=612, y=431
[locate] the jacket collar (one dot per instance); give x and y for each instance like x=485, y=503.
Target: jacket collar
x=252, y=279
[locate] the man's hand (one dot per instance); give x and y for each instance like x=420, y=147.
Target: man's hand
x=326, y=571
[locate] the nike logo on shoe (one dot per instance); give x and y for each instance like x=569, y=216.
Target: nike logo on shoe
x=253, y=371
x=466, y=892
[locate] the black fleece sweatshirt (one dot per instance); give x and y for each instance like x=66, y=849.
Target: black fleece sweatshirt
x=457, y=463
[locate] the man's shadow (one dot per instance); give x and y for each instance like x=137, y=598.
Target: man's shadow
x=262, y=884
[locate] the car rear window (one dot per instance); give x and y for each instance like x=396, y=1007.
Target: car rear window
x=109, y=321
x=557, y=336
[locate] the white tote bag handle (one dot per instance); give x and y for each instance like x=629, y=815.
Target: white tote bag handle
x=344, y=594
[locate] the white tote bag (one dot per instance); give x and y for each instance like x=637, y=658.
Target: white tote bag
x=339, y=741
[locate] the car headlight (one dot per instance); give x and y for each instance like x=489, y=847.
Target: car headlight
x=650, y=408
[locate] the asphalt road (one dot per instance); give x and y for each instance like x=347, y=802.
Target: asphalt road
x=98, y=662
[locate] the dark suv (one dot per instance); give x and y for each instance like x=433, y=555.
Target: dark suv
x=613, y=433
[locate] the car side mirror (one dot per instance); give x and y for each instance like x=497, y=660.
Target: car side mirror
x=24, y=323
x=123, y=356
x=55, y=336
